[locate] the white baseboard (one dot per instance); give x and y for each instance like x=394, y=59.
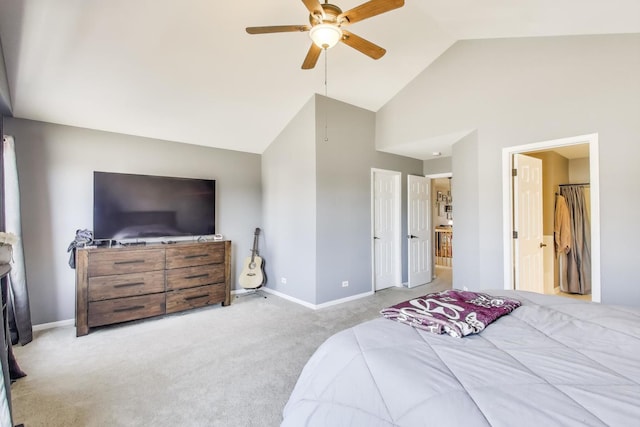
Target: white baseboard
x=71, y=322
x=58, y=324
x=315, y=306
x=347, y=299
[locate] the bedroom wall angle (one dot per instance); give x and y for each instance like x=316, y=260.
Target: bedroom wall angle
x=322, y=218
x=527, y=90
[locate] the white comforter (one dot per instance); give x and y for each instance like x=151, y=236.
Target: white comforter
x=552, y=362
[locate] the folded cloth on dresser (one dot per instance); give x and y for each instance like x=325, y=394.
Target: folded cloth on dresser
x=83, y=238
x=457, y=313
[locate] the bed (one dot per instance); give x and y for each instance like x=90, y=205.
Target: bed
x=552, y=361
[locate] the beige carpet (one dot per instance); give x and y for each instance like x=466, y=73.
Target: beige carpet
x=217, y=366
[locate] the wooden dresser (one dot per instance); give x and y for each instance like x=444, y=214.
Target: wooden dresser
x=119, y=284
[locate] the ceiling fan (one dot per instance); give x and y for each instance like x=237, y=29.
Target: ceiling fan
x=326, y=27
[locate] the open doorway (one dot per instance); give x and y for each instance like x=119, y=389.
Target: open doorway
x=442, y=226
x=565, y=161
x=565, y=174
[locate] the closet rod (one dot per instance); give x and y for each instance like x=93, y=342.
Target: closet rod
x=584, y=184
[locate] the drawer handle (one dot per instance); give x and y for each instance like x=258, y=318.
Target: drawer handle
x=132, y=308
x=196, y=297
x=126, y=285
x=134, y=261
x=197, y=276
x=196, y=256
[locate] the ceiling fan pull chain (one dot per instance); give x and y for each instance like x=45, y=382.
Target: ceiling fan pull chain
x=326, y=108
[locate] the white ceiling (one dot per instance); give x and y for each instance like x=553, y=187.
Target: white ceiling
x=187, y=71
x=571, y=152
x=577, y=151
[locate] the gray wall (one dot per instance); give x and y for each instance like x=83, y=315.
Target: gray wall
x=317, y=201
x=437, y=166
x=289, y=207
x=518, y=91
x=5, y=97
x=56, y=165
x=343, y=167
x=466, y=193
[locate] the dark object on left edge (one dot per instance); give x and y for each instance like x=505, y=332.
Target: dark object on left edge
x=14, y=370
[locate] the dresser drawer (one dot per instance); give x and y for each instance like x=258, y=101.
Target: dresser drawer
x=125, y=285
x=189, y=277
x=186, y=299
x=118, y=262
x=211, y=253
x=124, y=309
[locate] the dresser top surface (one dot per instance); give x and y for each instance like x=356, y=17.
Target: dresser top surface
x=151, y=246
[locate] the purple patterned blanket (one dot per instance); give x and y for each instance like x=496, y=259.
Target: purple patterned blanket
x=457, y=313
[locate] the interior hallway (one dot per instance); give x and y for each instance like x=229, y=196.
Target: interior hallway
x=444, y=275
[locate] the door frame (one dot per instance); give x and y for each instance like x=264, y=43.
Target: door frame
x=397, y=226
x=507, y=204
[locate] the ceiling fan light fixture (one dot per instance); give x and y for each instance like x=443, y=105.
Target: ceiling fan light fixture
x=325, y=36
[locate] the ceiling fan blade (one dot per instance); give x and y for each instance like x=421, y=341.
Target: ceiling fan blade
x=312, y=57
x=278, y=29
x=314, y=7
x=365, y=46
x=368, y=10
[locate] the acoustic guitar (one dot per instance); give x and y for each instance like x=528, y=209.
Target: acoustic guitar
x=252, y=276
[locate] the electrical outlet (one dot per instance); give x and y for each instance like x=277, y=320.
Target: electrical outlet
x=283, y=280
x=345, y=283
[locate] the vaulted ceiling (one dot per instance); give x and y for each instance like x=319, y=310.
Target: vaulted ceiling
x=187, y=71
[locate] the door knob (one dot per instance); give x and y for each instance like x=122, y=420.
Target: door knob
x=542, y=245
x=376, y=238
x=411, y=236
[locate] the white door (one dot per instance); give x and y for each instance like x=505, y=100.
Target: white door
x=419, y=230
x=386, y=229
x=527, y=211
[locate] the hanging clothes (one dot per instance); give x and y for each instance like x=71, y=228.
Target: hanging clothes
x=562, y=226
x=562, y=239
x=577, y=276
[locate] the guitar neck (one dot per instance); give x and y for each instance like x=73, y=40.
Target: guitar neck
x=254, y=251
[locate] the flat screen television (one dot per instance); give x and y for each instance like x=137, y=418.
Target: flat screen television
x=127, y=206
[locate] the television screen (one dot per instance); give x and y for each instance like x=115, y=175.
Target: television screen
x=127, y=206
